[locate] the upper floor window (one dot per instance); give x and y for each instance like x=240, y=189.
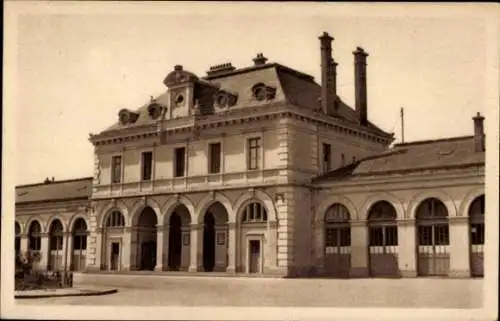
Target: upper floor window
x=327, y=156
x=180, y=162
x=116, y=169
x=214, y=158
x=342, y=160
x=354, y=159
x=254, y=153
x=147, y=165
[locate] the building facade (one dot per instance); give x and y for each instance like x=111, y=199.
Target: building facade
x=262, y=170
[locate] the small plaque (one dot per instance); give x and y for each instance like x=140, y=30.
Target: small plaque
x=185, y=239
x=221, y=239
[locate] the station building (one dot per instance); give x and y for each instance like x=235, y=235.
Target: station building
x=263, y=170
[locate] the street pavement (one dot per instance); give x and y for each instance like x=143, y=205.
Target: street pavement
x=207, y=291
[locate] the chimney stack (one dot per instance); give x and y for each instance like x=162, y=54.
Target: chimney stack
x=328, y=75
x=259, y=60
x=360, y=84
x=479, y=143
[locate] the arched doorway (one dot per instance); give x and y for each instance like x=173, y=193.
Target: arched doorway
x=17, y=243
x=79, y=253
x=112, y=241
x=252, y=233
x=55, y=246
x=383, y=240
x=337, y=241
x=179, y=239
x=145, y=239
x=476, y=226
x=433, y=238
x=215, y=238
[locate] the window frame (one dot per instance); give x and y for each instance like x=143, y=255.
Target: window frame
x=211, y=160
x=175, y=161
x=114, y=178
x=143, y=164
x=258, y=150
x=327, y=163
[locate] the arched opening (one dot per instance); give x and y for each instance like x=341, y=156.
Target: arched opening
x=179, y=239
x=79, y=235
x=35, y=236
x=252, y=232
x=17, y=243
x=145, y=239
x=433, y=238
x=55, y=246
x=337, y=241
x=383, y=240
x=215, y=238
x=114, y=227
x=476, y=226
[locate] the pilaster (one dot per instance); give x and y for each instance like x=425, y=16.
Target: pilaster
x=359, y=249
x=196, y=245
x=459, y=247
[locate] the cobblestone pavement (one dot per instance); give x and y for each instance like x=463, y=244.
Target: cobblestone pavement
x=409, y=293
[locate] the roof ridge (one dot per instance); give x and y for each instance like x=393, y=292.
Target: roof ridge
x=57, y=182
x=430, y=141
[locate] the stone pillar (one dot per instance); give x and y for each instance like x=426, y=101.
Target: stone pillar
x=44, y=251
x=271, y=257
x=97, y=247
x=67, y=251
x=186, y=247
x=24, y=244
x=221, y=248
x=159, y=247
x=359, y=249
x=407, y=248
x=232, y=250
x=459, y=247
x=126, y=250
x=196, y=247
x=319, y=245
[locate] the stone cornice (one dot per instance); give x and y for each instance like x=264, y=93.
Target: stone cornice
x=248, y=115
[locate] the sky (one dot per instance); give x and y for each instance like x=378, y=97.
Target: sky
x=77, y=65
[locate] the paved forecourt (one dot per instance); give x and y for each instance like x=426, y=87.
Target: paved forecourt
x=193, y=291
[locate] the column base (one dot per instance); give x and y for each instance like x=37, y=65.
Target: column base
x=231, y=269
x=358, y=272
x=459, y=274
x=193, y=268
x=159, y=268
x=92, y=269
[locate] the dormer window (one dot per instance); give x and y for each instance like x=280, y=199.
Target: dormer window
x=224, y=99
x=127, y=117
x=155, y=110
x=262, y=92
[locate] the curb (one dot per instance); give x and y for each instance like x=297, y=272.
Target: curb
x=54, y=295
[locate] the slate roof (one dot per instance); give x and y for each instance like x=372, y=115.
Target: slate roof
x=291, y=86
x=415, y=156
x=80, y=188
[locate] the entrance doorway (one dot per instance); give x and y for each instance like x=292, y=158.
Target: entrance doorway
x=209, y=243
x=148, y=255
x=115, y=256
x=215, y=238
x=145, y=238
x=254, y=256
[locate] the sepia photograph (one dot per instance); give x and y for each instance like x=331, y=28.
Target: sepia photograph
x=250, y=161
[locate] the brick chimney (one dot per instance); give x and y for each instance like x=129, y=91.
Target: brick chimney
x=360, y=85
x=328, y=75
x=479, y=143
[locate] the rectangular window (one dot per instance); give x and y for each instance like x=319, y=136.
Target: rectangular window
x=477, y=234
x=253, y=153
x=116, y=169
x=327, y=157
x=376, y=236
x=214, y=157
x=147, y=165
x=180, y=161
x=391, y=235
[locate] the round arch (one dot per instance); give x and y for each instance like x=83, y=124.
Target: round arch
x=74, y=218
x=142, y=204
x=443, y=197
x=467, y=201
x=172, y=204
x=259, y=197
x=374, y=199
x=52, y=219
x=21, y=226
x=207, y=201
x=319, y=216
x=37, y=219
x=118, y=206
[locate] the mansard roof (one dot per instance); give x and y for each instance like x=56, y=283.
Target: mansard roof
x=80, y=188
x=411, y=157
x=290, y=86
